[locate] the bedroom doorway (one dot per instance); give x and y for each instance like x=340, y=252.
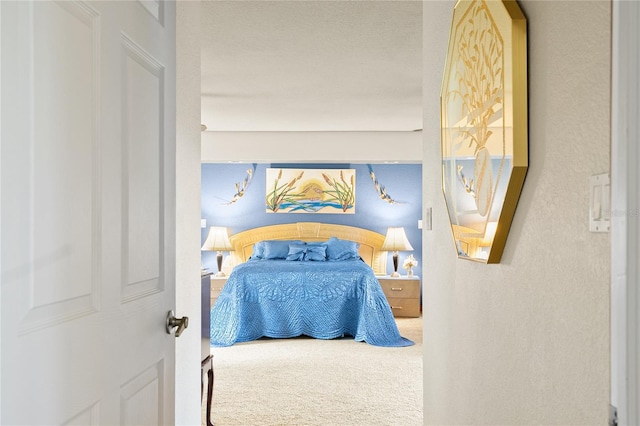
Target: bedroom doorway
x=310, y=82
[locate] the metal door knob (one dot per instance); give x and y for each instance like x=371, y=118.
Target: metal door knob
x=173, y=322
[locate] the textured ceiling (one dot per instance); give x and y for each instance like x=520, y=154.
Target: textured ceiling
x=312, y=65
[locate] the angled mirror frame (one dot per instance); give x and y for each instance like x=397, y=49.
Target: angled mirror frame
x=484, y=129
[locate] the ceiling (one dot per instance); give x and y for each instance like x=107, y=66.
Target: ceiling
x=312, y=65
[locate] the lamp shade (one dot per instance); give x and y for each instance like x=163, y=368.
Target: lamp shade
x=396, y=240
x=217, y=240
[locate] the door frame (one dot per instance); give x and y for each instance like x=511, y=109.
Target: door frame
x=188, y=153
x=625, y=210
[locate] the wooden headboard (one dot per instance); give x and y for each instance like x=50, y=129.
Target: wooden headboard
x=370, y=241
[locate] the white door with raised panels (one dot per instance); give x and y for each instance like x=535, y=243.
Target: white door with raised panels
x=87, y=205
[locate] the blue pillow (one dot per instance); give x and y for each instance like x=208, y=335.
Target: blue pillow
x=316, y=252
x=258, y=251
x=296, y=252
x=278, y=249
x=342, y=249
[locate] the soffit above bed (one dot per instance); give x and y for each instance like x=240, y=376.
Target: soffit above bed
x=312, y=65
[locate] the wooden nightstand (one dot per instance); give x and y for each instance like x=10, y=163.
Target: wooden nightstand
x=216, y=287
x=403, y=294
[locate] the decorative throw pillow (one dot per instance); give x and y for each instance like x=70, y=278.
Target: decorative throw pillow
x=278, y=249
x=296, y=252
x=338, y=249
x=258, y=251
x=316, y=252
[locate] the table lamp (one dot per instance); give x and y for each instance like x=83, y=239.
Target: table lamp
x=395, y=241
x=218, y=240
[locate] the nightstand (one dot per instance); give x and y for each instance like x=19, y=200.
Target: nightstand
x=403, y=294
x=216, y=287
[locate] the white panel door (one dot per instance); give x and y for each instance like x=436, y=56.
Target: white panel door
x=87, y=203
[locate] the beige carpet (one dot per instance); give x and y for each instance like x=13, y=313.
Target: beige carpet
x=304, y=381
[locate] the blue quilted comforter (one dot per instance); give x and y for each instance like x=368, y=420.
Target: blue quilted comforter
x=324, y=300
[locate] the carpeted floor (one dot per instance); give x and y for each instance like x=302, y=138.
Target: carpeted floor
x=304, y=381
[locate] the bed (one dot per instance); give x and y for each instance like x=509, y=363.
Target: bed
x=306, y=278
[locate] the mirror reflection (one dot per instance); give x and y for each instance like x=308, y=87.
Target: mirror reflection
x=482, y=124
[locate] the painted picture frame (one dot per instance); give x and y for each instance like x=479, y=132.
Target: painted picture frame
x=310, y=191
x=484, y=129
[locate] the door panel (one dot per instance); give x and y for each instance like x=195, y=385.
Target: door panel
x=87, y=202
x=62, y=152
x=141, y=398
x=142, y=78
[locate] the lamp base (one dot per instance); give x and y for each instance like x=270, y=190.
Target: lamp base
x=219, y=261
x=395, y=273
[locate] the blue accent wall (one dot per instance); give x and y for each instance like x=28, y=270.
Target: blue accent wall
x=403, y=183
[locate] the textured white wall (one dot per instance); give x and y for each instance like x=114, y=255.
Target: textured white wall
x=527, y=341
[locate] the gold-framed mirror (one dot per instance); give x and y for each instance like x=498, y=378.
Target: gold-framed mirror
x=483, y=110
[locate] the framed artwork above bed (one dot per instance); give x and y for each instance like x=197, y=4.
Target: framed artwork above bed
x=311, y=191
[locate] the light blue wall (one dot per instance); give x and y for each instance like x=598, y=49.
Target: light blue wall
x=403, y=183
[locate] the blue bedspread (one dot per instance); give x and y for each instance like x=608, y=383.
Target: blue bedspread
x=324, y=300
